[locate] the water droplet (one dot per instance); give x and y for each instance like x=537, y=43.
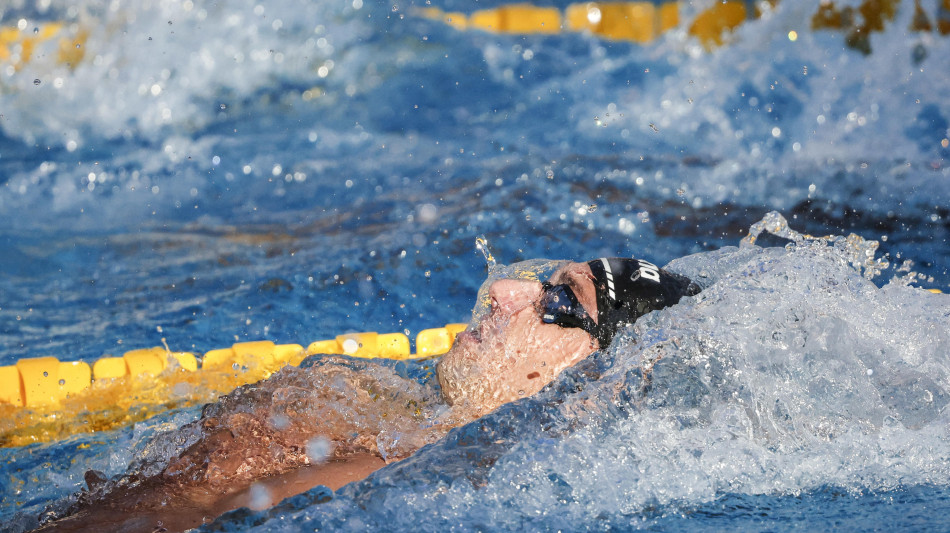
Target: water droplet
x=318, y=449
x=37, y=81
x=428, y=213
x=350, y=346
x=260, y=496
x=521, y=393
x=481, y=244
x=45, y=374
x=280, y=422
x=62, y=382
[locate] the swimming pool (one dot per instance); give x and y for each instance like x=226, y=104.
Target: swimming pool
x=209, y=174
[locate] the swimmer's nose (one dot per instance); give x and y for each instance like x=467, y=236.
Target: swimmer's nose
x=510, y=295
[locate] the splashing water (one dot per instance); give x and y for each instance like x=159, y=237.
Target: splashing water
x=790, y=372
x=792, y=375
x=858, y=251
x=481, y=244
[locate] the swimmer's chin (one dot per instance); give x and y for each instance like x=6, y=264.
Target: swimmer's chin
x=445, y=367
x=460, y=372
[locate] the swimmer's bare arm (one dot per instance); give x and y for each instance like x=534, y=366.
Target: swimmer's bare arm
x=300, y=429
x=152, y=508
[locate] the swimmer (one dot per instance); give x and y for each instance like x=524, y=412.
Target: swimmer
x=339, y=420
x=536, y=330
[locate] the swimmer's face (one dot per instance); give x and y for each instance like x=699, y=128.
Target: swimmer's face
x=512, y=353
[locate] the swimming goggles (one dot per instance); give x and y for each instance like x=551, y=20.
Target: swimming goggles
x=559, y=305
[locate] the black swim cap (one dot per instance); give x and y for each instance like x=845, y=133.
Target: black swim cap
x=628, y=289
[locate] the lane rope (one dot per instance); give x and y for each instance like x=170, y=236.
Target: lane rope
x=44, y=399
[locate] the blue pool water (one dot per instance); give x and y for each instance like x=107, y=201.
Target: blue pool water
x=210, y=173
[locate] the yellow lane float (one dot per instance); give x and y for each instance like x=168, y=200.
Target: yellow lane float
x=643, y=22
x=64, y=43
x=43, y=398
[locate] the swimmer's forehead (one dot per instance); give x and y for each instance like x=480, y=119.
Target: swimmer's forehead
x=567, y=272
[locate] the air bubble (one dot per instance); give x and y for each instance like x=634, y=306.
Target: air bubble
x=318, y=449
x=428, y=213
x=260, y=497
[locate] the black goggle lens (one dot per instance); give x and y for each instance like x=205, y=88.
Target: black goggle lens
x=559, y=306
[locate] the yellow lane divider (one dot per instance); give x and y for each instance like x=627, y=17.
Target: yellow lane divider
x=44, y=399
x=643, y=22
x=64, y=42
x=640, y=22
x=44, y=381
